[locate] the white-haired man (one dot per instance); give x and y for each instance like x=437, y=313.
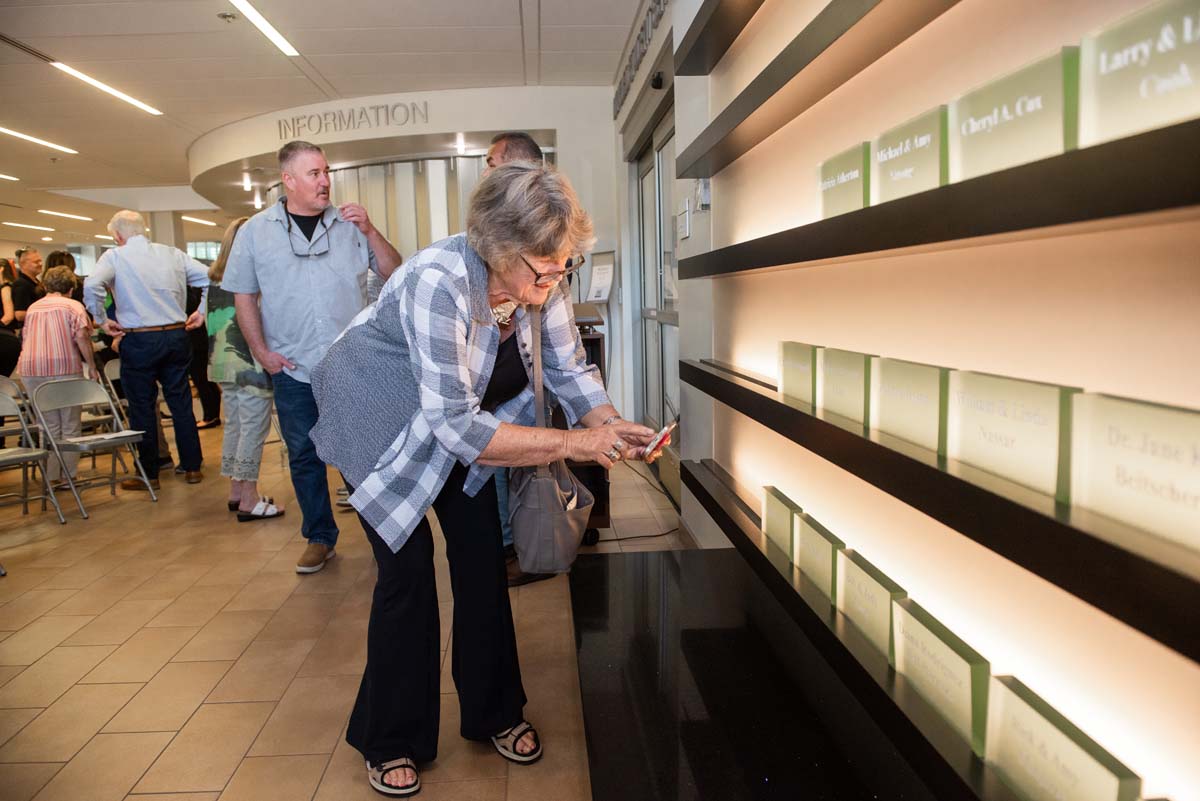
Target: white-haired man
x=298, y=271
x=149, y=282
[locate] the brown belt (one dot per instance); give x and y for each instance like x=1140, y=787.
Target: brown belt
x=171, y=327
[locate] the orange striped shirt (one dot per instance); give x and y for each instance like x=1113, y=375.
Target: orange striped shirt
x=48, y=338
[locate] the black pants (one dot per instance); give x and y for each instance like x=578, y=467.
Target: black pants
x=208, y=392
x=397, y=711
x=150, y=358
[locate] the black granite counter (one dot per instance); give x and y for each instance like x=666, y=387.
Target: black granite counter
x=697, y=684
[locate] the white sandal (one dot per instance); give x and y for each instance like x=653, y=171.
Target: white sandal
x=506, y=743
x=263, y=510
x=375, y=774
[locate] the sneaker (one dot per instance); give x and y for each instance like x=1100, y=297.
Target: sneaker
x=165, y=463
x=314, y=557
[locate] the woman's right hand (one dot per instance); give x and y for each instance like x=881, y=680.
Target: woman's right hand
x=595, y=445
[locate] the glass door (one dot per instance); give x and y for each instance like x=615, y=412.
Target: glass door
x=659, y=375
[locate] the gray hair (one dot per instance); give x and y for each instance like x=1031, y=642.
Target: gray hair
x=127, y=223
x=295, y=148
x=522, y=207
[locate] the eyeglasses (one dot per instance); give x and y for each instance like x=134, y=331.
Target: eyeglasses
x=318, y=246
x=544, y=280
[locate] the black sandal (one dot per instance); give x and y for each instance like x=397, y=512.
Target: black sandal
x=375, y=774
x=506, y=743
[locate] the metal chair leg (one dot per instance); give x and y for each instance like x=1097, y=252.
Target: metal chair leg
x=50, y=492
x=142, y=473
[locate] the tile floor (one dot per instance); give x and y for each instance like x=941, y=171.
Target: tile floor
x=164, y=652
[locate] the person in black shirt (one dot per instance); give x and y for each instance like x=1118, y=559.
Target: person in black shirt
x=27, y=288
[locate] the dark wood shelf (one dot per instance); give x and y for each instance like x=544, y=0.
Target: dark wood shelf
x=1101, y=561
x=845, y=38
x=940, y=757
x=715, y=26
x=1153, y=171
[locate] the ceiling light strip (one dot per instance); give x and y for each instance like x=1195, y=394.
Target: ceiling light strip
x=103, y=87
x=196, y=220
x=64, y=214
x=24, y=225
x=37, y=141
x=102, y=236
x=4, y=177
x=268, y=30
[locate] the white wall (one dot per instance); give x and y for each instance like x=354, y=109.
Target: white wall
x=1108, y=306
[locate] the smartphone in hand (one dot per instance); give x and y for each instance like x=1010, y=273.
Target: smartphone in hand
x=661, y=439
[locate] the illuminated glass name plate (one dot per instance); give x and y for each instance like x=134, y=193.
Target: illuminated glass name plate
x=778, y=512
x=798, y=371
x=865, y=595
x=817, y=554
x=1029, y=115
x=1020, y=430
x=845, y=182
x=844, y=384
x=1139, y=463
x=908, y=400
x=1044, y=757
x=1140, y=73
x=910, y=158
x=947, y=672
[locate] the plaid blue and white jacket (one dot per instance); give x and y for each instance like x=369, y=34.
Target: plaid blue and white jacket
x=399, y=393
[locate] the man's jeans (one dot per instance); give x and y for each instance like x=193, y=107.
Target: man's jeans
x=148, y=359
x=297, y=415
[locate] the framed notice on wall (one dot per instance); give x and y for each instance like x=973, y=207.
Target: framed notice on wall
x=600, y=269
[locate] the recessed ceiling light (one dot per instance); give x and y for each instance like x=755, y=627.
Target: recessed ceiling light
x=268, y=30
x=64, y=214
x=246, y=185
x=196, y=220
x=103, y=87
x=460, y=144
x=4, y=177
x=37, y=141
x=258, y=204
x=102, y=236
x=34, y=227
x=47, y=239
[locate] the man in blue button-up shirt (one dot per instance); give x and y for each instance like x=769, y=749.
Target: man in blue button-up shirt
x=149, y=282
x=298, y=270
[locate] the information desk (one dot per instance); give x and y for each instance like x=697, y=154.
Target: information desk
x=697, y=683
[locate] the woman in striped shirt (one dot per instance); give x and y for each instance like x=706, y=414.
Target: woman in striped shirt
x=56, y=342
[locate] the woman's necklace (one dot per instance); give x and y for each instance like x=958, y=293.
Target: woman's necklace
x=504, y=312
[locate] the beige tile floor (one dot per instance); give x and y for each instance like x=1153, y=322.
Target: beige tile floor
x=164, y=652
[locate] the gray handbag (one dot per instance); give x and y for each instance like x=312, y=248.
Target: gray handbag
x=548, y=507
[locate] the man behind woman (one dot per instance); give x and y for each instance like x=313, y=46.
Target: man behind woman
x=247, y=391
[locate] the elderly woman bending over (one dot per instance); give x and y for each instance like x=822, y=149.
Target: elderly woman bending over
x=440, y=368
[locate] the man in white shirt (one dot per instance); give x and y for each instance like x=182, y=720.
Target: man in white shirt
x=149, y=282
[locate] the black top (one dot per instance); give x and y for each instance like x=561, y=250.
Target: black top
x=25, y=291
x=12, y=326
x=508, y=377
x=307, y=223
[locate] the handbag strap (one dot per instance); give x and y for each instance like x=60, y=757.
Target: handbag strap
x=538, y=390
